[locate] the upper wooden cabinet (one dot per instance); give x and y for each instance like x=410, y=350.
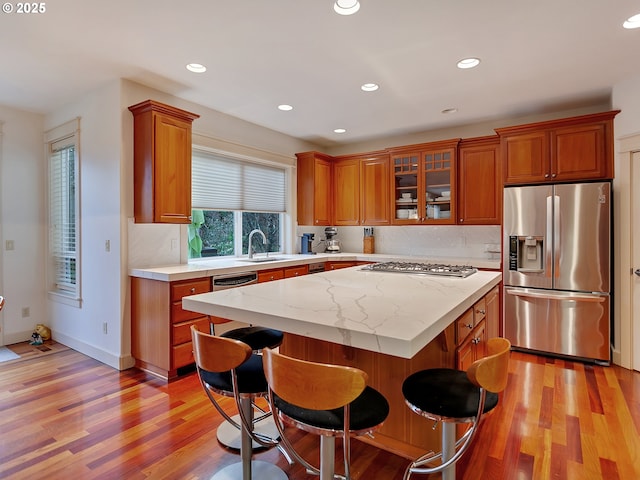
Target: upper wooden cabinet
x=479, y=194
x=314, y=190
x=424, y=183
x=577, y=148
x=162, y=163
x=361, y=189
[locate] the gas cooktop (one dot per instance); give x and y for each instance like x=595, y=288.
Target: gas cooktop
x=423, y=268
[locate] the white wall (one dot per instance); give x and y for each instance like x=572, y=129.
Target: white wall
x=100, y=213
x=21, y=221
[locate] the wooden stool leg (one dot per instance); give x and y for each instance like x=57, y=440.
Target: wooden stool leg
x=327, y=457
x=448, y=449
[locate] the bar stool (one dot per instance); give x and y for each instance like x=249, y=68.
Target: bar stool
x=452, y=397
x=229, y=367
x=326, y=400
x=257, y=338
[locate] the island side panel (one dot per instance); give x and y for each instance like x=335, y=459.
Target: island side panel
x=403, y=433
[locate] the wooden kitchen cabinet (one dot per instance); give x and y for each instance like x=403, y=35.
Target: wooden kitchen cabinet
x=270, y=275
x=479, y=193
x=424, y=173
x=314, y=188
x=296, y=271
x=571, y=149
x=361, y=187
x=160, y=327
x=475, y=327
x=162, y=163
x=375, y=194
x=346, y=174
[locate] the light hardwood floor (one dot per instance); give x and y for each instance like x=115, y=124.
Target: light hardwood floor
x=67, y=416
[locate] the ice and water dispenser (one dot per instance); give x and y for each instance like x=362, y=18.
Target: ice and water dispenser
x=526, y=253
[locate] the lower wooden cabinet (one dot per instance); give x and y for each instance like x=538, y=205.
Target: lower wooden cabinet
x=475, y=327
x=280, y=273
x=160, y=328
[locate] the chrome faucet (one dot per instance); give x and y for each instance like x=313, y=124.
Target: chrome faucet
x=264, y=240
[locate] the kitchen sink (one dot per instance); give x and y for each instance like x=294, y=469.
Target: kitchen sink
x=260, y=259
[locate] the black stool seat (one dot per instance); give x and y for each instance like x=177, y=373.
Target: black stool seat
x=256, y=337
x=446, y=393
x=366, y=411
x=251, y=379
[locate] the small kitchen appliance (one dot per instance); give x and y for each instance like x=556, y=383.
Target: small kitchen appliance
x=305, y=247
x=331, y=244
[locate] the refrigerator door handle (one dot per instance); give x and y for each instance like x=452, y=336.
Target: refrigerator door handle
x=578, y=297
x=548, y=248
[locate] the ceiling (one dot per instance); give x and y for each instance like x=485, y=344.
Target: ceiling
x=537, y=57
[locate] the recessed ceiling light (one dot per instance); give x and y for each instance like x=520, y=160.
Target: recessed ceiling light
x=449, y=110
x=284, y=107
x=468, y=63
x=346, y=7
x=369, y=87
x=196, y=68
x=340, y=130
x=632, y=22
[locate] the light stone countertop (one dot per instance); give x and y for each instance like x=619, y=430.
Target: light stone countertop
x=218, y=266
x=391, y=313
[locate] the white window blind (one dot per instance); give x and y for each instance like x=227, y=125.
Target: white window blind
x=221, y=183
x=62, y=206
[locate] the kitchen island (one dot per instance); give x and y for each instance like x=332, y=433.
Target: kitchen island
x=388, y=324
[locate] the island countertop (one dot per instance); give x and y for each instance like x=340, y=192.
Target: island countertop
x=390, y=313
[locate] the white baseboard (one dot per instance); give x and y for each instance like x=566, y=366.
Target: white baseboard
x=115, y=361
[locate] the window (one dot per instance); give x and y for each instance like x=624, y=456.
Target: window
x=64, y=209
x=231, y=198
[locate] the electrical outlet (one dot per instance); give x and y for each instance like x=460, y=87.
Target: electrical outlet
x=25, y=312
x=174, y=244
x=107, y=245
x=8, y=245
x=105, y=328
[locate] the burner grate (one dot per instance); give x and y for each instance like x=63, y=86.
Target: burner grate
x=423, y=268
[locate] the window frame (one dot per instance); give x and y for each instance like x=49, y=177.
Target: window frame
x=237, y=214
x=67, y=135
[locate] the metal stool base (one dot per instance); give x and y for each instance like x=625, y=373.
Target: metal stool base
x=229, y=436
x=259, y=470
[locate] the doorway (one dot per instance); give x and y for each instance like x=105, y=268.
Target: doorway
x=626, y=251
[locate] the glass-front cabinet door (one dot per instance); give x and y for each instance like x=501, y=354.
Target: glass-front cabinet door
x=439, y=180
x=406, y=177
x=424, y=183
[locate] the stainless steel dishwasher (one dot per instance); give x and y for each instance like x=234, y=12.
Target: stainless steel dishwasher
x=223, y=282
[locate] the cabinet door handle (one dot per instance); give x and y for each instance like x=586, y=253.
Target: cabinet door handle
x=475, y=341
x=469, y=325
x=637, y=272
x=546, y=175
x=553, y=175
x=480, y=311
x=193, y=290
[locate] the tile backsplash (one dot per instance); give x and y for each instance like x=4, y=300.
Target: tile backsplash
x=477, y=241
x=152, y=245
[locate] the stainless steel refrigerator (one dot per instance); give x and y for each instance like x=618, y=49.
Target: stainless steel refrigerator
x=557, y=269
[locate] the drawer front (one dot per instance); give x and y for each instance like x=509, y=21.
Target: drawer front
x=190, y=287
x=270, y=275
x=479, y=311
x=182, y=331
x=464, y=325
x=296, y=271
x=182, y=355
x=179, y=315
